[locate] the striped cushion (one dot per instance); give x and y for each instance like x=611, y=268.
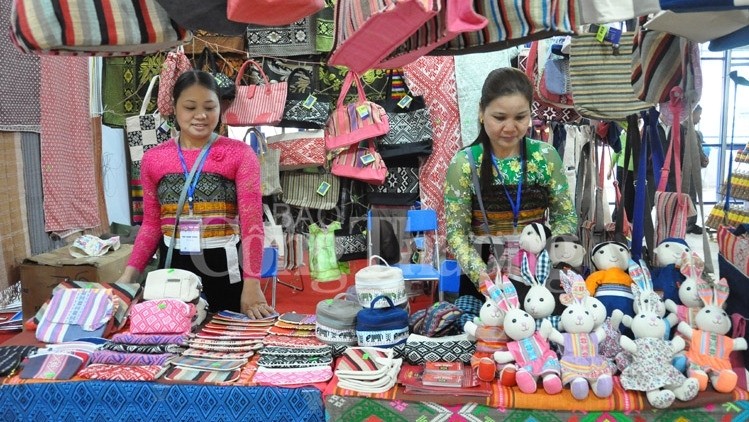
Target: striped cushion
x=106, y=27
x=601, y=78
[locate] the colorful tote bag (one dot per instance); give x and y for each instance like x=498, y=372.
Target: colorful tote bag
x=318, y=189
x=361, y=162
x=367, y=31
x=256, y=105
x=356, y=121
x=410, y=133
x=305, y=106
x=600, y=76
x=294, y=39
x=143, y=132
x=110, y=27
x=299, y=150
x=270, y=183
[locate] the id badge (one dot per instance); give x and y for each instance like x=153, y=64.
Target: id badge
x=189, y=236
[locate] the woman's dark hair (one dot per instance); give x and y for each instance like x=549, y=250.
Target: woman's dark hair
x=190, y=78
x=499, y=83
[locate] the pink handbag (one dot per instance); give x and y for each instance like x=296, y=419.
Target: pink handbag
x=161, y=316
x=175, y=64
x=361, y=162
x=256, y=105
x=271, y=12
x=353, y=122
x=300, y=150
x=368, y=31
x=453, y=18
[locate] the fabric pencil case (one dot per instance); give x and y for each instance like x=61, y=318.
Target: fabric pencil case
x=161, y=316
x=206, y=364
x=11, y=357
x=177, y=373
x=269, y=361
x=151, y=349
x=211, y=354
x=131, y=359
x=130, y=338
x=109, y=372
x=295, y=351
x=292, y=376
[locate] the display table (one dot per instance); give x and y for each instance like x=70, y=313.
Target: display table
x=510, y=404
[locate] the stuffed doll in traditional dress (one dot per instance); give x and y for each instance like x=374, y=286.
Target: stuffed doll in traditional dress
x=610, y=282
x=529, y=348
x=709, y=346
x=691, y=268
x=666, y=274
x=583, y=367
x=490, y=337
x=565, y=253
x=650, y=369
x=532, y=241
x=539, y=302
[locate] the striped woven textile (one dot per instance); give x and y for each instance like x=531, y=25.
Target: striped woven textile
x=656, y=63
x=601, y=75
x=106, y=27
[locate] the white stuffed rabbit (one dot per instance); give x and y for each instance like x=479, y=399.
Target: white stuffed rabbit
x=595, y=307
x=582, y=364
x=650, y=369
x=709, y=346
x=488, y=330
x=643, y=291
x=529, y=348
x=539, y=301
x=691, y=302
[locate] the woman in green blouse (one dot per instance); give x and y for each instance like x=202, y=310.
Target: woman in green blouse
x=522, y=180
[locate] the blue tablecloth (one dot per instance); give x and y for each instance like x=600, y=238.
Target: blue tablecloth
x=148, y=401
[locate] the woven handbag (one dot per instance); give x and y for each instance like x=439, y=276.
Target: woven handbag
x=361, y=162
x=401, y=186
x=271, y=12
x=207, y=60
x=294, y=39
x=110, y=27
x=304, y=107
x=270, y=182
x=379, y=326
x=318, y=189
x=175, y=64
x=256, y=105
x=410, y=132
x=299, y=150
x=354, y=122
x=367, y=31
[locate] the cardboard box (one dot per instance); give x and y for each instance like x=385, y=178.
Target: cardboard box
x=41, y=273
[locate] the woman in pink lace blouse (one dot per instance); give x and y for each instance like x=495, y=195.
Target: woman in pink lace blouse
x=224, y=200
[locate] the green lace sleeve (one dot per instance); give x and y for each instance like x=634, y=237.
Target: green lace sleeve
x=562, y=217
x=458, y=193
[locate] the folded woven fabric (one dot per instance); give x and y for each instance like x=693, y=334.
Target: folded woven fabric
x=129, y=338
x=101, y=371
x=296, y=351
x=53, y=366
x=150, y=349
x=294, y=361
x=136, y=359
x=292, y=376
x=211, y=354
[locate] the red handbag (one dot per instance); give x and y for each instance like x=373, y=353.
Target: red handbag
x=175, y=64
x=256, y=105
x=299, y=150
x=271, y=12
x=361, y=162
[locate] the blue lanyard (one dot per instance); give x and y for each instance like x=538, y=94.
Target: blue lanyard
x=194, y=183
x=515, y=205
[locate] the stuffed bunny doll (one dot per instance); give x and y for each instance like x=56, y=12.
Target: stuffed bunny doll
x=532, y=241
x=539, y=301
x=666, y=274
x=582, y=364
x=650, y=369
x=490, y=337
x=529, y=348
x=644, y=292
x=689, y=296
x=610, y=282
x=709, y=346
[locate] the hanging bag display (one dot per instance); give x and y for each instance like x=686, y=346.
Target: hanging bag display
x=294, y=39
x=271, y=12
x=367, y=32
x=410, y=133
x=527, y=62
x=401, y=186
x=256, y=105
x=270, y=182
x=323, y=262
x=110, y=27
x=175, y=64
x=142, y=132
x=361, y=162
x=600, y=78
x=354, y=122
x=304, y=107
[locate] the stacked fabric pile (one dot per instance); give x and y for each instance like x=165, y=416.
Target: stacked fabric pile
x=292, y=355
x=217, y=352
x=58, y=361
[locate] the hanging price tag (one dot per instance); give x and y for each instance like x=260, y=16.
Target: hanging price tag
x=614, y=35
x=309, y=101
x=367, y=159
x=323, y=189
x=601, y=34
x=405, y=101
x=363, y=111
